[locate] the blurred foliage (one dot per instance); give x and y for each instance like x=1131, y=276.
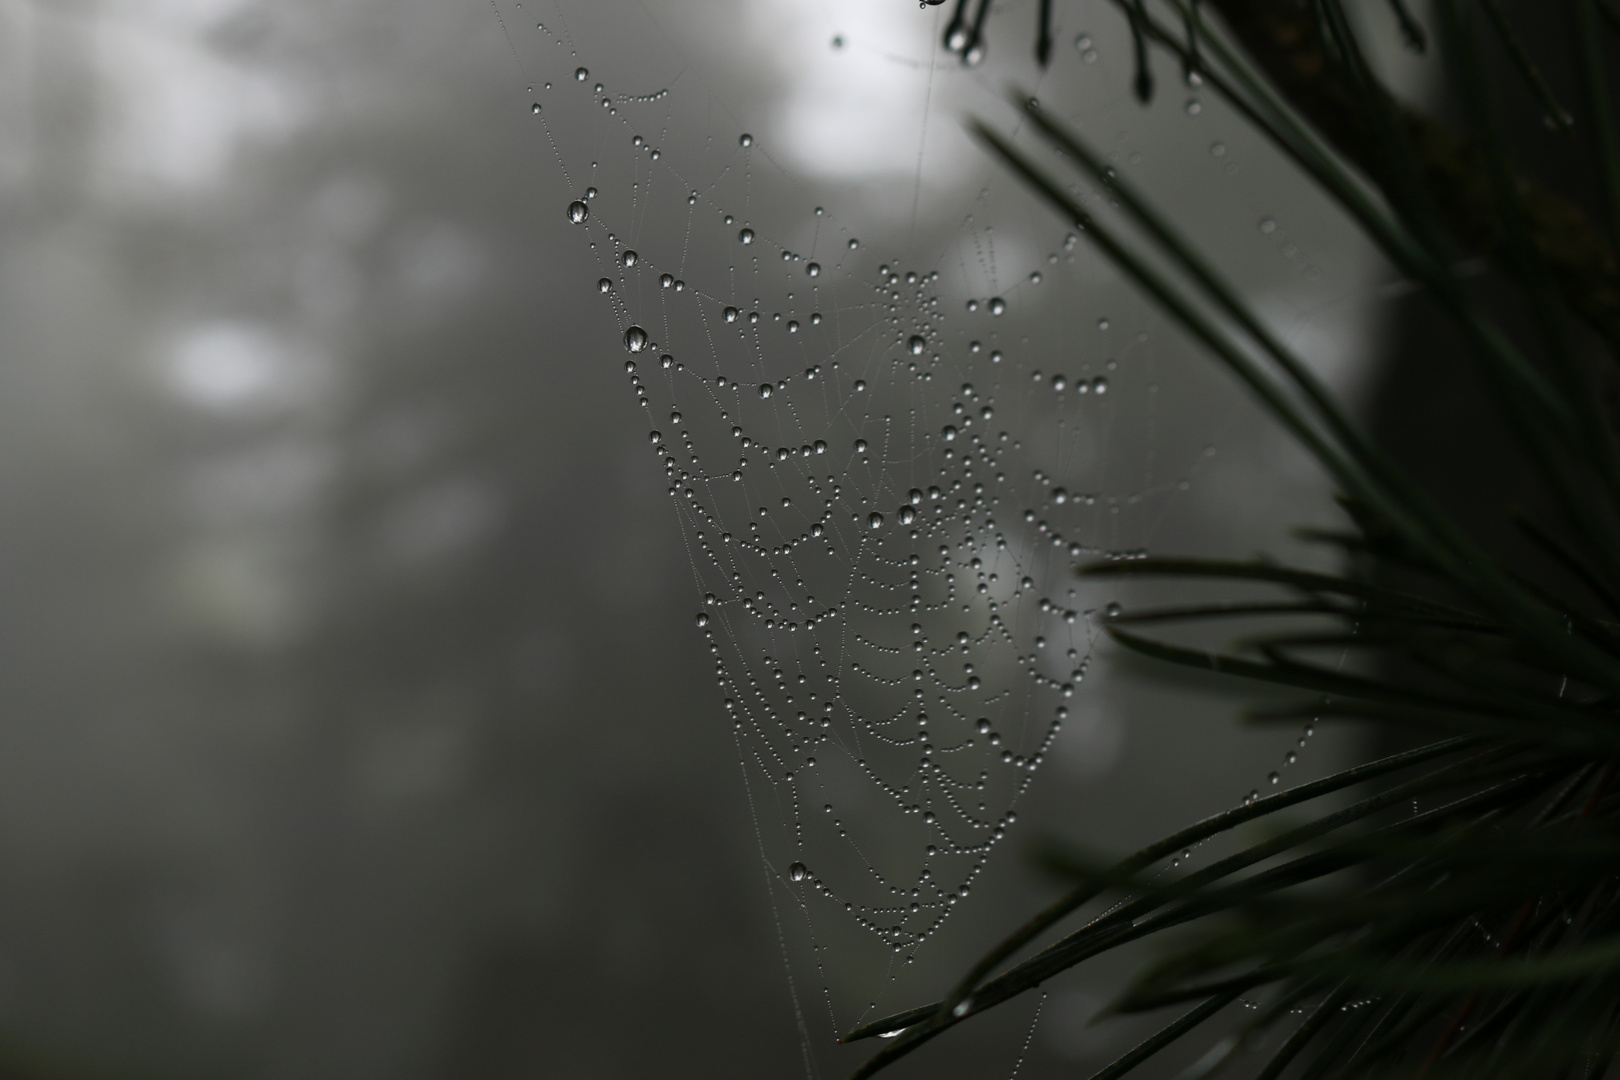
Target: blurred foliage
x=1479, y=936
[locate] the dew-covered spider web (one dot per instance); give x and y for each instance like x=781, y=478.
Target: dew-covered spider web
x=889, y=432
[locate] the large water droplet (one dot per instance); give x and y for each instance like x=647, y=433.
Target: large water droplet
x=605, y=285
x=853, y=243
x=578, y=211
x=666, y=280
x=860, y=446
x=1099, y=385
x=655, y=437
x=876, y=520
x=636, y=339
x=766, y=389
x=798, y=872
x=813, y=269
x=917, y=344
x=629, y=258
x=731, y=314
x=997, y=305
x=746, y=236
x=949, y=433
x=581, y=74
x=745, y=140
x=535, y=108
x=907, y=515
x=703, y=618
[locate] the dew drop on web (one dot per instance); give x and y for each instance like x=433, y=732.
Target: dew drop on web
x=875, y=520
x=917, y=344
x=813, y=269
x=635, y=339
x=578, y=211
x=997, y=305
x=745, y=236
x=798, y=871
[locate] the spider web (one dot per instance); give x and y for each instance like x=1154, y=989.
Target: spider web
x=887, y=447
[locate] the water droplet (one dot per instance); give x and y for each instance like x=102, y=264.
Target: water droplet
x=973, y=305
x=1060, y=495
x=1034, y=277
x=876, y=520
x=635, y=339
x=1082, y=43
x=746, y=236
x=1267, y=225
x=535, y=108
x=853, y=243
x=1113, y=610
x=838, y=41
x=917, y=344
x=813, y=269
x=816, y=530
x=578, y=212
x=798, y=872
x=766, y=389
x=581, y=74
x=907, y=515
x=731, y=314
x=655, y=437
x=629, y=258
x=949, y=433
x=1273, y=777
x=984, y=727
x=675, y=418
x=590, y=193
x=1099, y=385
x=666, y=361
x=666, y=280
x=793, y=326
x=997, y=305
x=745, y=140
x=1194, y=106
x=1060, y=382
x=860, y=446
x=605, y=285
x=703, y=618
x=915, y=495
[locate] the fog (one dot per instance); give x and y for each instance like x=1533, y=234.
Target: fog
x=355, y=724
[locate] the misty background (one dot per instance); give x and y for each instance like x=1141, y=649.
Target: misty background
x=354, y=724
